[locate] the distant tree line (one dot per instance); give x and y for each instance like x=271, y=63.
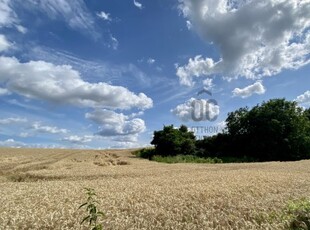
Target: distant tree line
x=275, y=130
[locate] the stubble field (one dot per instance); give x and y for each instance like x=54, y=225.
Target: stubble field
x=42, y=189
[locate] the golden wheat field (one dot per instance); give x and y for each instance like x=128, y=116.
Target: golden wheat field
x=42, y=189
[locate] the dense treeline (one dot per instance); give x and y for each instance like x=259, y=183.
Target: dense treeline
x=275, y=130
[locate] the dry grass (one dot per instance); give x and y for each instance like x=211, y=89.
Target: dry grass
x=42, y=189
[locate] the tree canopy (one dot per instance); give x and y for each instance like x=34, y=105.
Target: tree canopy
x=172, y=141
x=274, y=130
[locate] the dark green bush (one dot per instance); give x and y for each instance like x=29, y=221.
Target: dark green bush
x=298, y=213
x=186, y=159
x=146, y=153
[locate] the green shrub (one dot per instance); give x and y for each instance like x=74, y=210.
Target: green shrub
x=244, y=159
x=92, y=210
x=185, y=159
x=295, y=215
x=146, y=153
x=298, y=214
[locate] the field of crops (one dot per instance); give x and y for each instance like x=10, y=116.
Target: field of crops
x=42, y=189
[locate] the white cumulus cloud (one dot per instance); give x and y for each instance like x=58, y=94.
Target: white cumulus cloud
x=12, y=143
x=304, y=98
x=197, y=110
x=208, y=83
x=61, y=84
x=222, y=125
x=254, y=38
x=195, y=68
x=116, y=124
x=256, y=88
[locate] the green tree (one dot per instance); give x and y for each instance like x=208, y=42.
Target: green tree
x=237, y=130
x=171, y=141
x=274, y=130
x=208, y=146
x=307, y=113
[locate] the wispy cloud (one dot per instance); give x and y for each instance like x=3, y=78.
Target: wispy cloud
x=78, y=139
x=151, y=61
x=8, y=17
x=4, y=92
x=12, y=120
x=95, y=70
x=103, y=15
x=24, y=105
x=74, y=13
x=114, y=42
x=12, y=143
x=38, y=127
x=25, y=134
x=138, y=4
x=4, y=43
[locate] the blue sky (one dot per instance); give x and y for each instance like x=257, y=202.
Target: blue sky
x=106, y=74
